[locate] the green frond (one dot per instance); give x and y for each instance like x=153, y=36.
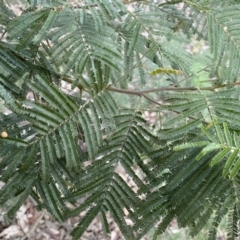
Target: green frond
x=29, y=160
x=190, y=170
x=10, y=63
x=58, y=145
x=128, y=64
x=6, y=14
x=229, y=163
x=85, y=205
x=104, y=222
x=188, y=192
x=109, y=188
x=194, y=20
x=52, y=200
x=21, y=197
x=213, y=102
x=221, y=141
x=28, y=20
x=220, y=213
x=233, y=228
x=82, y=226
x=108, y=9
x=9, y=190
x=190, y=145
x=194, y=211
x=45, y=161
x=175, y=133
x=219, y=132
x=31, y=24
x=224, y=41
x=85, y=42
x=220, y=156
x=235, y=169
x=61, y=183
x=208, y=133
x=67, y=129
x=136, y=32
x=163, y=225
x=49, y=22
x=118, y=216
x=125, y=190
x=15, y=161
x=14, y=141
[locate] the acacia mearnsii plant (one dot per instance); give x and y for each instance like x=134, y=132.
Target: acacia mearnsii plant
x=119, y=60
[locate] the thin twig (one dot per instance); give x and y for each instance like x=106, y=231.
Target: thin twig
x=164, y=89
x=143, y=93
x=3, y=34
x=132, y=1
x=169, y=2
x=33, y=226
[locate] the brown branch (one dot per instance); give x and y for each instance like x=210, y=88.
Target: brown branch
x=3, y=34
x=131, y=1
x=33, y=227
x=139, y=93
x=178, y=89
x=144, y=92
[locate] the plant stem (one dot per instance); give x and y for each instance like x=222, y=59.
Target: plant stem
x=140, y=93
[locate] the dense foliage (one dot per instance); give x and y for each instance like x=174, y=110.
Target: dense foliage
x=67, y=146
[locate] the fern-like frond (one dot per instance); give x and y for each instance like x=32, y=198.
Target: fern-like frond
x=58, y=125
x=207, y=105
x=140, y=22
x=224, y=41
x=6, y=14
x=187, y=193
x=220, y=140
x=108, y=188
x=233, y=229
x=62, y=127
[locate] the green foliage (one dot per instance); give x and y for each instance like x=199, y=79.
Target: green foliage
x=72, y=146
